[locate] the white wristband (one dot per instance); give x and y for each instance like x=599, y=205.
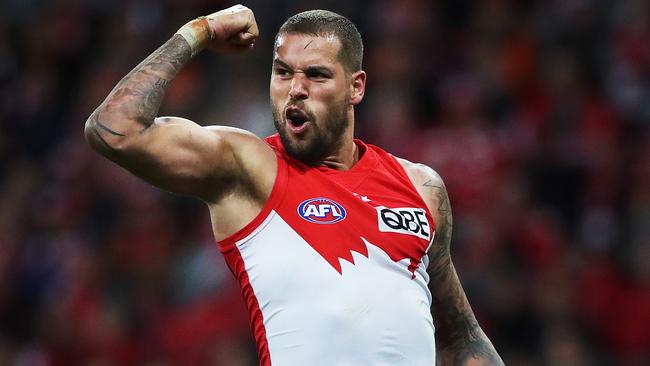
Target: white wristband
x=196, y=33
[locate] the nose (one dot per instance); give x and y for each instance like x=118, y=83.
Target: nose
x=298, y=89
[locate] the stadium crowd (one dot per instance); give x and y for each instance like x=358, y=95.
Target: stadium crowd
x=535, y=113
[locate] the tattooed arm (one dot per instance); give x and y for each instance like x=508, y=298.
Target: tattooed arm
x=460, y=341
x=174, y=153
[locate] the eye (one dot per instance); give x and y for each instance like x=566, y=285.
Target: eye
x=282, y=72
x=317, y=74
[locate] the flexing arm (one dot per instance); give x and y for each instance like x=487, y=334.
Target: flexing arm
x=460, y=341
x=174, y=153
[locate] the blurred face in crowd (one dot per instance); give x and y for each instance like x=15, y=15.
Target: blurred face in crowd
x=311, y=95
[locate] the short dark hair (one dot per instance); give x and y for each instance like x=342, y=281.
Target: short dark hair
x=323, y=23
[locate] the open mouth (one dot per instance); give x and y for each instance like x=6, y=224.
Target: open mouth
x=297, y=119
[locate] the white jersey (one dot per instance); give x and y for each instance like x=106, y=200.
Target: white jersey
x=333, y=270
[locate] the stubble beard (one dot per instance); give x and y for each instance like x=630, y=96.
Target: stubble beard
x=324, y=138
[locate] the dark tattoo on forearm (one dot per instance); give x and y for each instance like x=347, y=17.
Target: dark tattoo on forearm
x=137, y=97
x=481, y=351
x=459, y=336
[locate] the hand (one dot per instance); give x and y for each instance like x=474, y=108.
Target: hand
x=233, y=29
x=229, y=30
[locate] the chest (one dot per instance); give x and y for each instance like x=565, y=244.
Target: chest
x=336, y=214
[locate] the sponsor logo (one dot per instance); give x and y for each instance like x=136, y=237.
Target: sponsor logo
x=321, y=211
x=405, y=220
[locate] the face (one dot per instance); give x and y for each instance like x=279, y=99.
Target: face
x=311, y=95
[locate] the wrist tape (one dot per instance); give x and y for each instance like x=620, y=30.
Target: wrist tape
x=197, y=34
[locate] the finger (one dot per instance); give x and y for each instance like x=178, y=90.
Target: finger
x=249, y=32
x=252, y=29
x=244, y=38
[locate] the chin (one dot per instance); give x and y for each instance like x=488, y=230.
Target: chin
x=301, y=150
x=309, y=151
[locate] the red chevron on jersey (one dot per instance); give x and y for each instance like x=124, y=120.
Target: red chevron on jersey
x=390, y=188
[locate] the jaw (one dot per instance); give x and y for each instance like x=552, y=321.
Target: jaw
x=307, y=146
x=316, y=139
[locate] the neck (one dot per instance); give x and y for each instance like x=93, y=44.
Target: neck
x=344, y=159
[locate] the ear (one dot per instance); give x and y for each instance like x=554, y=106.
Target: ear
x=357, y=87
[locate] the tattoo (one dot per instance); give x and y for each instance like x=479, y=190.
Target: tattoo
x=101, y=139
x=307, y=45
x=137, y=97
x=103, y=127
x=108, y=150
x=460, y=340
x=480, y=352
x=445, y=224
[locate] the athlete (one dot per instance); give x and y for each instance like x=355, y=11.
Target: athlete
x=341, y=249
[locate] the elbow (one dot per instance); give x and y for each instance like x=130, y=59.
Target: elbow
x=101, y=138
x=92, y=135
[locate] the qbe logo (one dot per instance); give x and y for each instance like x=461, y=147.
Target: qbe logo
x=405, y=220
x=321, y=211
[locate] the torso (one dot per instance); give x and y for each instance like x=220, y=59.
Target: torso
x=333, y=266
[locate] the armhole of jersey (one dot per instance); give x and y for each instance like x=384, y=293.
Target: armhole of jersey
x=405, y=175
x=276, y=195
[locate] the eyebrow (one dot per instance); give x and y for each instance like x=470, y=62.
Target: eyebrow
x=318, y=68
x=278, y=62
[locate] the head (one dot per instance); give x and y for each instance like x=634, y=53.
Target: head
x=315, y=83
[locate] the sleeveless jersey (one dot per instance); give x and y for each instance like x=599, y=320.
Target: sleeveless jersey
x=333, y=269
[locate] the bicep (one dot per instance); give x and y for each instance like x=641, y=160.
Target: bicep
x=432, y=189
x=440, y=264
x=180, y=156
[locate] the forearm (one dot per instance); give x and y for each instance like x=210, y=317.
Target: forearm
x=133, y=104
x=459, y=338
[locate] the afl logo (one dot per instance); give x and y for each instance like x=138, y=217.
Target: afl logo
x=321, y=211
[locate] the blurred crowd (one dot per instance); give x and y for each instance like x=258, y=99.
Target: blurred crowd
x=535, y=113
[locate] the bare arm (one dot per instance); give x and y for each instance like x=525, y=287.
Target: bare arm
x=173, y=153
x=460, y=341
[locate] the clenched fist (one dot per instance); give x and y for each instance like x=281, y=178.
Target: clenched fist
x=229, y=30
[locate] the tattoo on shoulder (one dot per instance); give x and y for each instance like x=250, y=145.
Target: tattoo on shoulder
x=428, y=183
x=444, y=226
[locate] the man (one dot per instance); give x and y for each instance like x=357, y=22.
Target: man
x=329, y=238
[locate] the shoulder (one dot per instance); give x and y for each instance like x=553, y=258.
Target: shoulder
x=243, y=143
x=420, y=174
x=256, y=159
x=235, y=135
x=428, y=183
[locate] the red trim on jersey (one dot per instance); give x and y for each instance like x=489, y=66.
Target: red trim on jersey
x=400, y=169
x=236, y=263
